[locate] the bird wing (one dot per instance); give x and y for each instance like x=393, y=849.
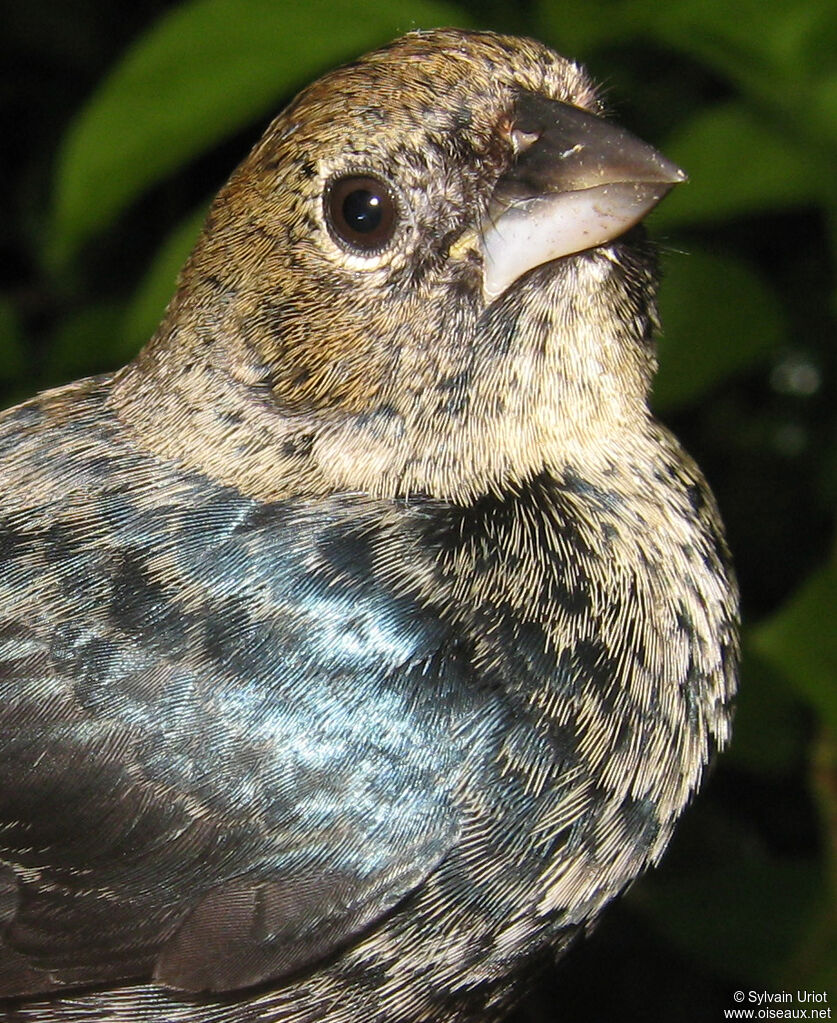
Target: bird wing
x=230, y=739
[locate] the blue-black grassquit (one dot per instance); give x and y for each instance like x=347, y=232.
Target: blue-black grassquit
x=366, y=635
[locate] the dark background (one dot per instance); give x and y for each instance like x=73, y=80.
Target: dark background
x=119, y=121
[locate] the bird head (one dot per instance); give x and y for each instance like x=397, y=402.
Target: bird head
x=418, y=280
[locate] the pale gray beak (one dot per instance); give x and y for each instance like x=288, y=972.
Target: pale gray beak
x=578, y=181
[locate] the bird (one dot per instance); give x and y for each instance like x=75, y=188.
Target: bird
x=366, y=635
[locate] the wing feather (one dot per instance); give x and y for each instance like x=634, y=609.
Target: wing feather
x=215, y=719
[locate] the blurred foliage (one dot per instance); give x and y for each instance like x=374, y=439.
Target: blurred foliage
x=204, y=69
x=126, y=119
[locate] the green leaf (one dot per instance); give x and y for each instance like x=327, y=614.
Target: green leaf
x=577, y=28
x=151, y=297
x=708, y=898
x=722, y=917
x=758, y=38
x=739, y=164
x=823, y=111
x=11, y=349
x=775, y=53
x=718, y=318
x=800, y=640
x=205, y=69
x=772, y=725
x=84, y=341
x=815, y=961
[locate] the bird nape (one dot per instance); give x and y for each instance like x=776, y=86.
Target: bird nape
x=366, y=635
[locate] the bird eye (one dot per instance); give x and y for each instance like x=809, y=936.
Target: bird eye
x=361, y=212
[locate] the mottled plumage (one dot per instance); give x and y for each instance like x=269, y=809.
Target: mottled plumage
x=366, y=635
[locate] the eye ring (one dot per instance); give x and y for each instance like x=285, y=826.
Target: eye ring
x=362, y=212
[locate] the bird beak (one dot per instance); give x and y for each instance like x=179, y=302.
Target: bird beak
x=577, y=181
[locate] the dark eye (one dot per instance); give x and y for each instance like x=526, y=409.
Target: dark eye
x=361, y=212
